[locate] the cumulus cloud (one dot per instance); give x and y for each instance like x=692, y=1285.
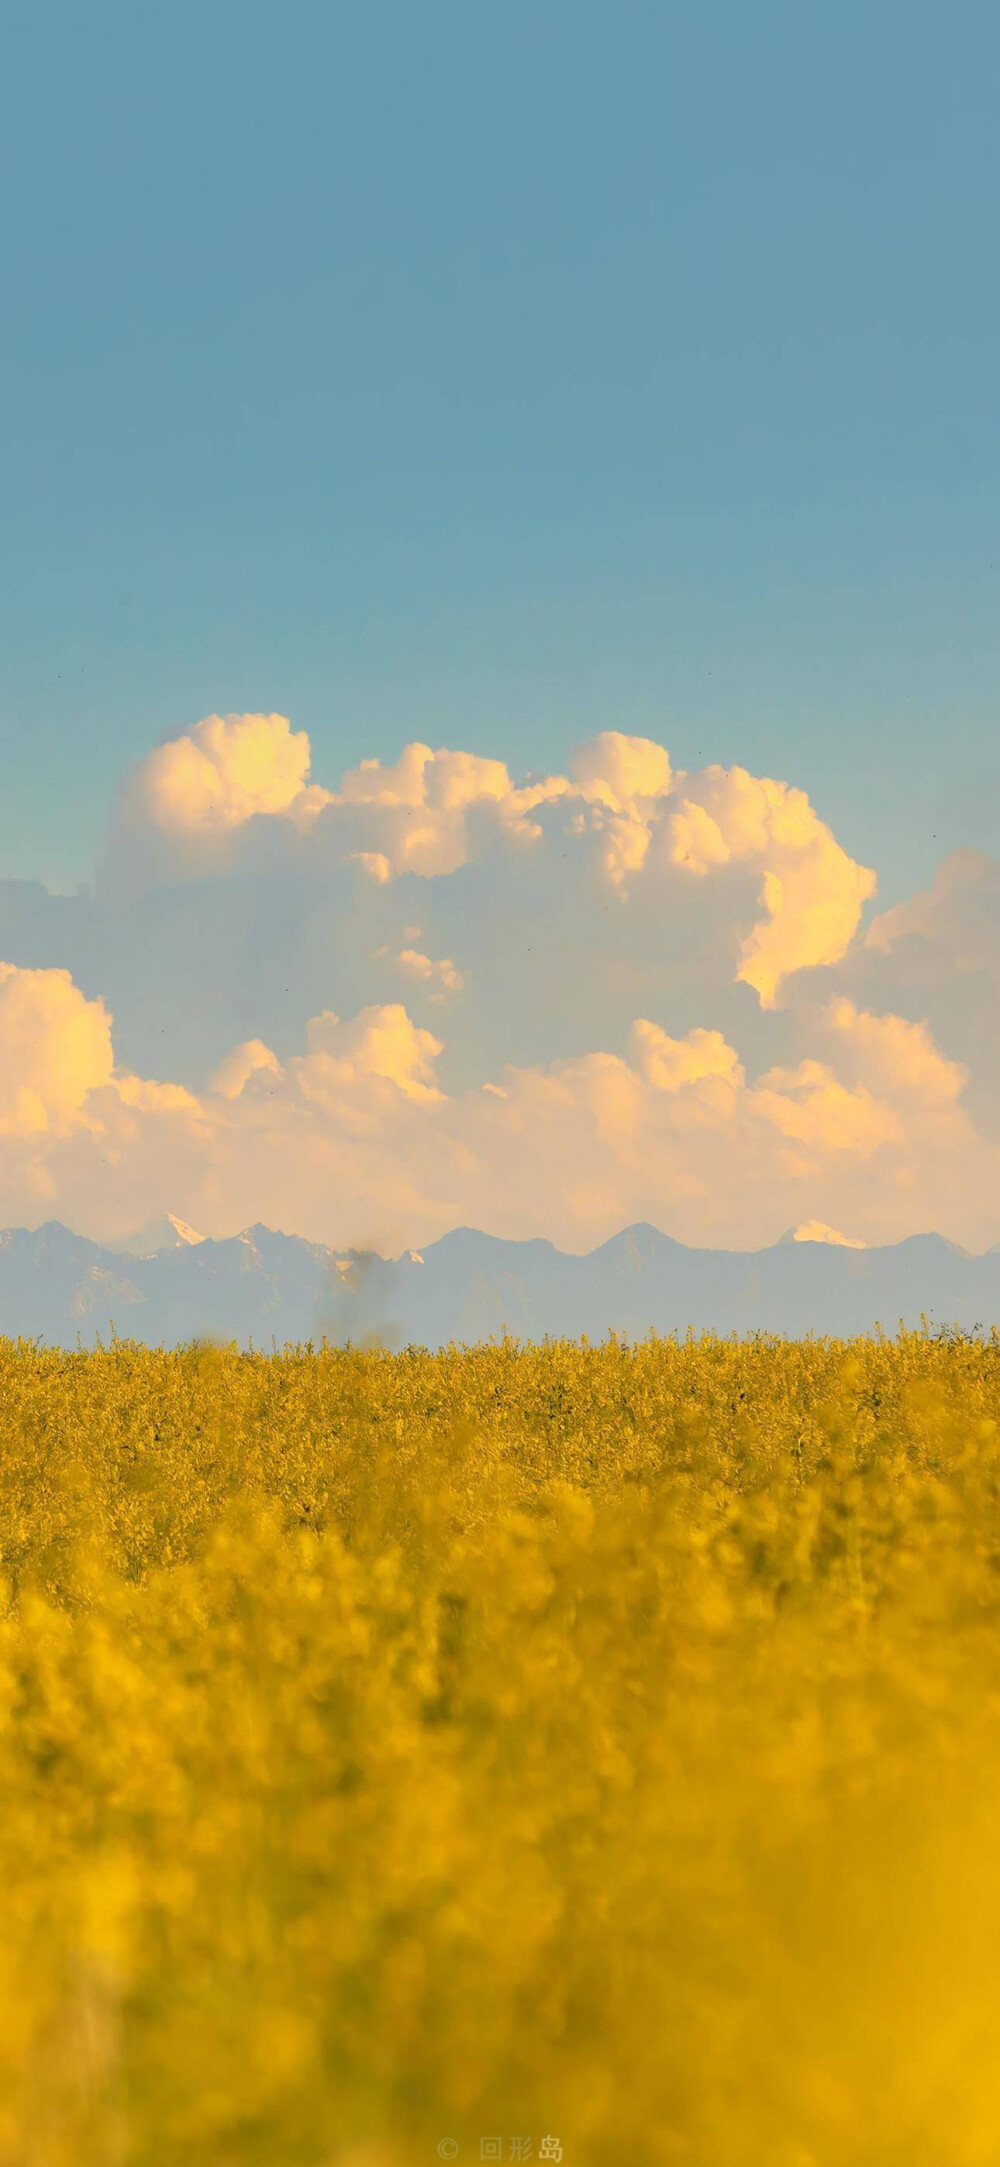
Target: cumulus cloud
x=963, y=904
x=55, y=1049
x=440, y=975
x=353, y=1136
x=224, y=772
x=380, y=1042
x=669, y=1064
x=810, y=1106
x=251, y=1058
x=622, y=770
x=892, y=1056
x=67, y=1116
x=934, y=960
x=416, y=813
x=661, y=999
x=812, y=892
x=650, y=833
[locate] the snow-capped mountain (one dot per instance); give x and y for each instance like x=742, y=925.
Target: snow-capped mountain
x=157, y=1234
x=265, y=1288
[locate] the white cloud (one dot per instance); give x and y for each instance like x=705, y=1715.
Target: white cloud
x=812, y=892
x=251, y=1058
x=373, y=862
x=221, y=774
x=662, y=1004
x=381, y=1042
x=670, y=1064
x=417, y=816
x=354, y=1139
x=963, y=905
x=440, y=975
x=624, y=770
x=811, y=1106
x=934, y=960
x=894, y=1057
x=621, y=809
x=55, y=1048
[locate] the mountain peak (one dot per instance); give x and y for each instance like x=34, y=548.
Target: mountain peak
x=168, y=1232
x=187, y=1237
x=816, y=1230
x=263, y=1287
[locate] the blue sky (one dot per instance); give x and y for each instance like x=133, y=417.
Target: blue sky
x=498, y=376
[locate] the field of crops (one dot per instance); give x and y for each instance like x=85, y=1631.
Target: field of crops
x=580, y=1753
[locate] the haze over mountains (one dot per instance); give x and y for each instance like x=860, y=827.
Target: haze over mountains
x=169, y=1284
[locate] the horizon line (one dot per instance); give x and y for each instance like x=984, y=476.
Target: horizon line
x=790, y=1238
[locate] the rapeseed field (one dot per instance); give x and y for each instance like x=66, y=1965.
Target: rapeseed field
x=557, y=1753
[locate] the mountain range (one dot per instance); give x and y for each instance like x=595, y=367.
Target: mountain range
x=169, y=1285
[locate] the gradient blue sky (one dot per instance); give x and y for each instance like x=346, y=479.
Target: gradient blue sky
x=498, y=375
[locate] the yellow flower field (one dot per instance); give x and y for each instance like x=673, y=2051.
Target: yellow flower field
x=588, y=1752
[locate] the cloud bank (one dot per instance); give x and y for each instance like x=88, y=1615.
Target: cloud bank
x=436, y=995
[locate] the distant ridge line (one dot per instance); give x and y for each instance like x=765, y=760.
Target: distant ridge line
x=261, y=1286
